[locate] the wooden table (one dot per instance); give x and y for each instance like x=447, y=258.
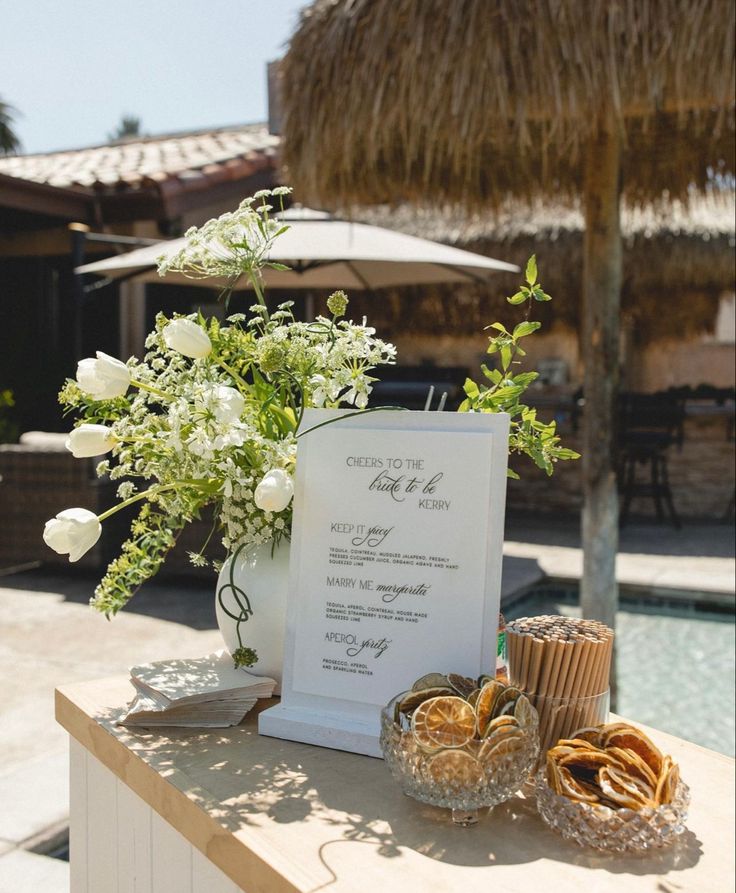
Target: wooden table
x=225, y=811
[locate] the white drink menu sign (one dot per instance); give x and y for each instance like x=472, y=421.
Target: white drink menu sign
x=395, y=566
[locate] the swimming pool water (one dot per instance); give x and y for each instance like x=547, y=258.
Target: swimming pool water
x=675, y=665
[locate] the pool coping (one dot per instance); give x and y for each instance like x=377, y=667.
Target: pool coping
x=720, y=602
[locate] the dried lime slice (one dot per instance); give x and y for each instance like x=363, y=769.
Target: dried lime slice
x=463, y=685
x=431, y=680
x=472, y=698
x=442, y=722
x=413, y=699
x=503, y=741
x=500, y=722
x=524, y=713
x=485, y=703
x=506, y=697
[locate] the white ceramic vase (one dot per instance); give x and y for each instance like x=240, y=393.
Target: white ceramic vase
x=254, y=591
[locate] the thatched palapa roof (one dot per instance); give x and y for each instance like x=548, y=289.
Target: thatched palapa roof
x=481, y=98
x=678, y=260
x=672, y=245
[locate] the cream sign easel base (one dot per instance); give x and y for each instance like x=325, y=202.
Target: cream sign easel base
x=395, y=566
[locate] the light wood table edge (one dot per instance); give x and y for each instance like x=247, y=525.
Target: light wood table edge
x=252, y=863
x=245, y=861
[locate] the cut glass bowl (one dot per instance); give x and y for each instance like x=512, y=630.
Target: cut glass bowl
x=613, y=830
x=463, y=778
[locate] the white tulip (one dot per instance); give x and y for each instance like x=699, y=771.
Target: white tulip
x=72, y=532
x=227, y=404
x=275, y=491
x=90, y=440
x=187, y=338
x=103, y=378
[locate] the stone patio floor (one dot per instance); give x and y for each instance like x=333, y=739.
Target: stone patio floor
x=49, y=636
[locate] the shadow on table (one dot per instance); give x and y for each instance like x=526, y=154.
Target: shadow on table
x=291, y=782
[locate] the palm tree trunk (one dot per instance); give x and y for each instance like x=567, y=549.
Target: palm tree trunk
x=601, y=300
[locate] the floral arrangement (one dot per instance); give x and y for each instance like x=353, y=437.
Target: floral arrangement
x=211, y=415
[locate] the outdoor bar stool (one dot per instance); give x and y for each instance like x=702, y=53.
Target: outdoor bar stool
x=649, y=424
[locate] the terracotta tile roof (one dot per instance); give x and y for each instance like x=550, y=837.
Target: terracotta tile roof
x=205, y=155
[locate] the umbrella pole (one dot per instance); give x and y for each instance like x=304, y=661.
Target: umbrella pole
x=601, y=299
x=309, y=306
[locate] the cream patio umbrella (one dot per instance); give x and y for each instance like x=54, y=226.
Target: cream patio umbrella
x=324, y=252
x=475, y=101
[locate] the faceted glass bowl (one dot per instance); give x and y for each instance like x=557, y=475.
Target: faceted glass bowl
x=613, y=830
x=461, y=778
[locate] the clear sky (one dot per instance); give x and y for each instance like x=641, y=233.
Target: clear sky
x=72, y=68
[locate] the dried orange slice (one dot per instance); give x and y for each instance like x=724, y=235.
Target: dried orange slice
x=484, y=705
x=553, y=775
x=591, y=734
x=633, y=764
x=456, y=769
x=564, y=747
x=611, y=727
x=630, y=738
x=632, y=784
x=576, y=744
x=586, y=763
x=620, y=790
x=446, y=721
x=667, y=781
x=574, y=789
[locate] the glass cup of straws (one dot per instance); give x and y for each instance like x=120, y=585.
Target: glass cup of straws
x=563, y=665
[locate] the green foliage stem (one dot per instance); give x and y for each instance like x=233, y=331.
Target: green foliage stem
x=153, y=534
x=528, y=435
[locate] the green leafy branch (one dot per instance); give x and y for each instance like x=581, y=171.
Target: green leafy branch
x=153, y=534
x=528, y=434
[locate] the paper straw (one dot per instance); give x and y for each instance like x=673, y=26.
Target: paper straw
x=583, y=668
x=510, y=651
x=571, y=682
x=536, y=665
x=554, y=673
x=563, y=670
x=602, y=683
x=525, y=652
x=548, y=657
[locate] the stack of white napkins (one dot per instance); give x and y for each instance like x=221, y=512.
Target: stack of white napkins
x=202, y=692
